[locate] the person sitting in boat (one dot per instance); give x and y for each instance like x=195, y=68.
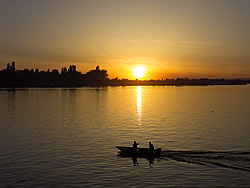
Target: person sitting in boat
x=151, y=146
x=135, y=145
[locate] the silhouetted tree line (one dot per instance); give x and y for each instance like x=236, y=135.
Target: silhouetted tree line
x=10, y=77
x=177, y=82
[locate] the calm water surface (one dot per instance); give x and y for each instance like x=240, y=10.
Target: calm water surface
x=67, y=137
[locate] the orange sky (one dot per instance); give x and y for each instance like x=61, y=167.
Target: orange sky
x=194, y=38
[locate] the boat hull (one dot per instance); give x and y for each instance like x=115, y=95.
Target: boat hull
x=139, y=152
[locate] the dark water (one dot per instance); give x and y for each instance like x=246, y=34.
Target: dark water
x=67, y=137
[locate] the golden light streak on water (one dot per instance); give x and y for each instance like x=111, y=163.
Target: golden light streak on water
x=139, y=104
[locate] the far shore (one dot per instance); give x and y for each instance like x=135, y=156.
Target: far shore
x=70, y=77
x=127, y=83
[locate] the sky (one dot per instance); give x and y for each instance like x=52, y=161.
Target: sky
x=169, y=38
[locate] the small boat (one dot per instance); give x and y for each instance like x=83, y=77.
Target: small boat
x=139, y=152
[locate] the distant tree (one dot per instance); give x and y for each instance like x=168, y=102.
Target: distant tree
x=55, y=71
x=73, y=68
x=13, y=64
x=97, y=77
x=63, y=70
x=70, y=69
x=8, y=67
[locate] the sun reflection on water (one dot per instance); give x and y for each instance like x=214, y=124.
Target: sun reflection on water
x=139, y=105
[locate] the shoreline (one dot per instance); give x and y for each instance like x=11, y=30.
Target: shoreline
x=72, y=87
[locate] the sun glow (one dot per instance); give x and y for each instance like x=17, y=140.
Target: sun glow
x=139, y=72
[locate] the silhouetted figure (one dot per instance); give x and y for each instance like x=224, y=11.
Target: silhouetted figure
x=135, y=145
x=151, y=146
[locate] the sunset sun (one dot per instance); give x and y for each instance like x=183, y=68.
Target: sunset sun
x=139, y=72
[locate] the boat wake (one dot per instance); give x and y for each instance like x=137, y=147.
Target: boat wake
x=224, y=159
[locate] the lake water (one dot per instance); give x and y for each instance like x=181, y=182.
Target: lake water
x=67, y=137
